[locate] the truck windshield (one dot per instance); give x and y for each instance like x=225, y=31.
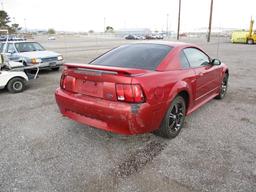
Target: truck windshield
x=28, y=47
x=140, y=56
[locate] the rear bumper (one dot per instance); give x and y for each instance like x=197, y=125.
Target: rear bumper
x=112, y=116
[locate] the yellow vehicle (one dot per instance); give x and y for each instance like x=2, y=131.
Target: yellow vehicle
x=243, y=36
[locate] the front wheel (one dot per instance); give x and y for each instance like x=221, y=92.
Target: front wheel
x=16, y=85
x=174, y=119
x=250, y=41
x=223, y=88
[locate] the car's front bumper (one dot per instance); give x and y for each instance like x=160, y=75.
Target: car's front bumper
x=112, y=116
x=50, y=65
x=53, y=64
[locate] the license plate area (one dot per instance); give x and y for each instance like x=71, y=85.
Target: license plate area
x=52, y=64
x=91, y=88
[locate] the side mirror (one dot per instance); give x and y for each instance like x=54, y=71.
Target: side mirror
x=11, y=51
x=216, y=62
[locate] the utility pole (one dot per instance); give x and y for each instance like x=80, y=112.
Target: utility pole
x=25, y=24
x=178, y=31
x=167, y=22
x=210, y=23
x=104, y=25
x=2, y=5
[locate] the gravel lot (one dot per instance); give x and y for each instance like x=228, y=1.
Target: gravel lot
x=216, y=151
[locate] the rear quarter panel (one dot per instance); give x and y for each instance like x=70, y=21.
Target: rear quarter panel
x=161, y=88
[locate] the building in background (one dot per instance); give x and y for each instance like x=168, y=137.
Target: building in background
x=133, y=31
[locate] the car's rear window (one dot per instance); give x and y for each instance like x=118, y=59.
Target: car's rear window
x=139, y=56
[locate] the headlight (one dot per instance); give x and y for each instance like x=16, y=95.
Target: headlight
x=36, y=61
x=60, y=58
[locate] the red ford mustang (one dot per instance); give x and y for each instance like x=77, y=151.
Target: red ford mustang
x=144, y=87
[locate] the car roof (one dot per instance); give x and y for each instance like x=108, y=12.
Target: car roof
x=170, y=43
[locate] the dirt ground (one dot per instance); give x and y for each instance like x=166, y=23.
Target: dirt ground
x=216, y=151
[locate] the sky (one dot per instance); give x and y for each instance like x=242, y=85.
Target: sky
x=84, y=15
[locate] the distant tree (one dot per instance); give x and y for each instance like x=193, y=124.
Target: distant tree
x=14, y=28
x=91, y=31
x=109, y=29
x=51, y=31
x=4, y=20
x=4, y=23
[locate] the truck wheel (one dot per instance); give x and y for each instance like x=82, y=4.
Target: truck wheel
x=16, y=85
x=250, y=41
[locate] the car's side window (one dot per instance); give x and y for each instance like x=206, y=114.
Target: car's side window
x=196, y=57
x=183, y=60
x=11, y=48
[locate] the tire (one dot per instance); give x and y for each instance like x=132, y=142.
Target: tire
x=55, y=68
x=174, y=119
x=250, y=41
x=223, y=87
x=16, y=85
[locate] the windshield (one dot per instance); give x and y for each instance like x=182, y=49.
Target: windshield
x=140, y=56
x=28, y=47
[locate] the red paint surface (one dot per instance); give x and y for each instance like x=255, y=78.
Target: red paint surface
x=90, y=97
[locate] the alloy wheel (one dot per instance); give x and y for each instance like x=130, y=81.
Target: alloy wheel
x=176, y=117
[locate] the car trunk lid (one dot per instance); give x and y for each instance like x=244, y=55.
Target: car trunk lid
x=97, y=81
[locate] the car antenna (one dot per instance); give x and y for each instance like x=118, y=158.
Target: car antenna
x=218, y=43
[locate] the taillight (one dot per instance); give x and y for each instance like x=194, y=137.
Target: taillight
x=130, y=93
x=62, y=81
x=67, y=82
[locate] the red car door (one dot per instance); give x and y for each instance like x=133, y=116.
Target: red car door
x=206, y=73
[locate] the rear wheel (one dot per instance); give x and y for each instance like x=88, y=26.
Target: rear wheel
x=174, y=119
x=223, y=88
x=16, y=85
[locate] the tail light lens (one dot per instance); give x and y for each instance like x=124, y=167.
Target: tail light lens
x=67, y=82
x=62, y=81
x=130, y=93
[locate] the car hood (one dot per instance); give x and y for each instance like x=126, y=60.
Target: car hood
x=39, y=54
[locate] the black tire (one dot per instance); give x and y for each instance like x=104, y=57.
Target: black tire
x=250, y=41
x=223, y=87
x=174, y=119
x=16, y=85
x=55, y=68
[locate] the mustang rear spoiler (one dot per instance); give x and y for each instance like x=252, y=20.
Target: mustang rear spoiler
x=104, y=69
